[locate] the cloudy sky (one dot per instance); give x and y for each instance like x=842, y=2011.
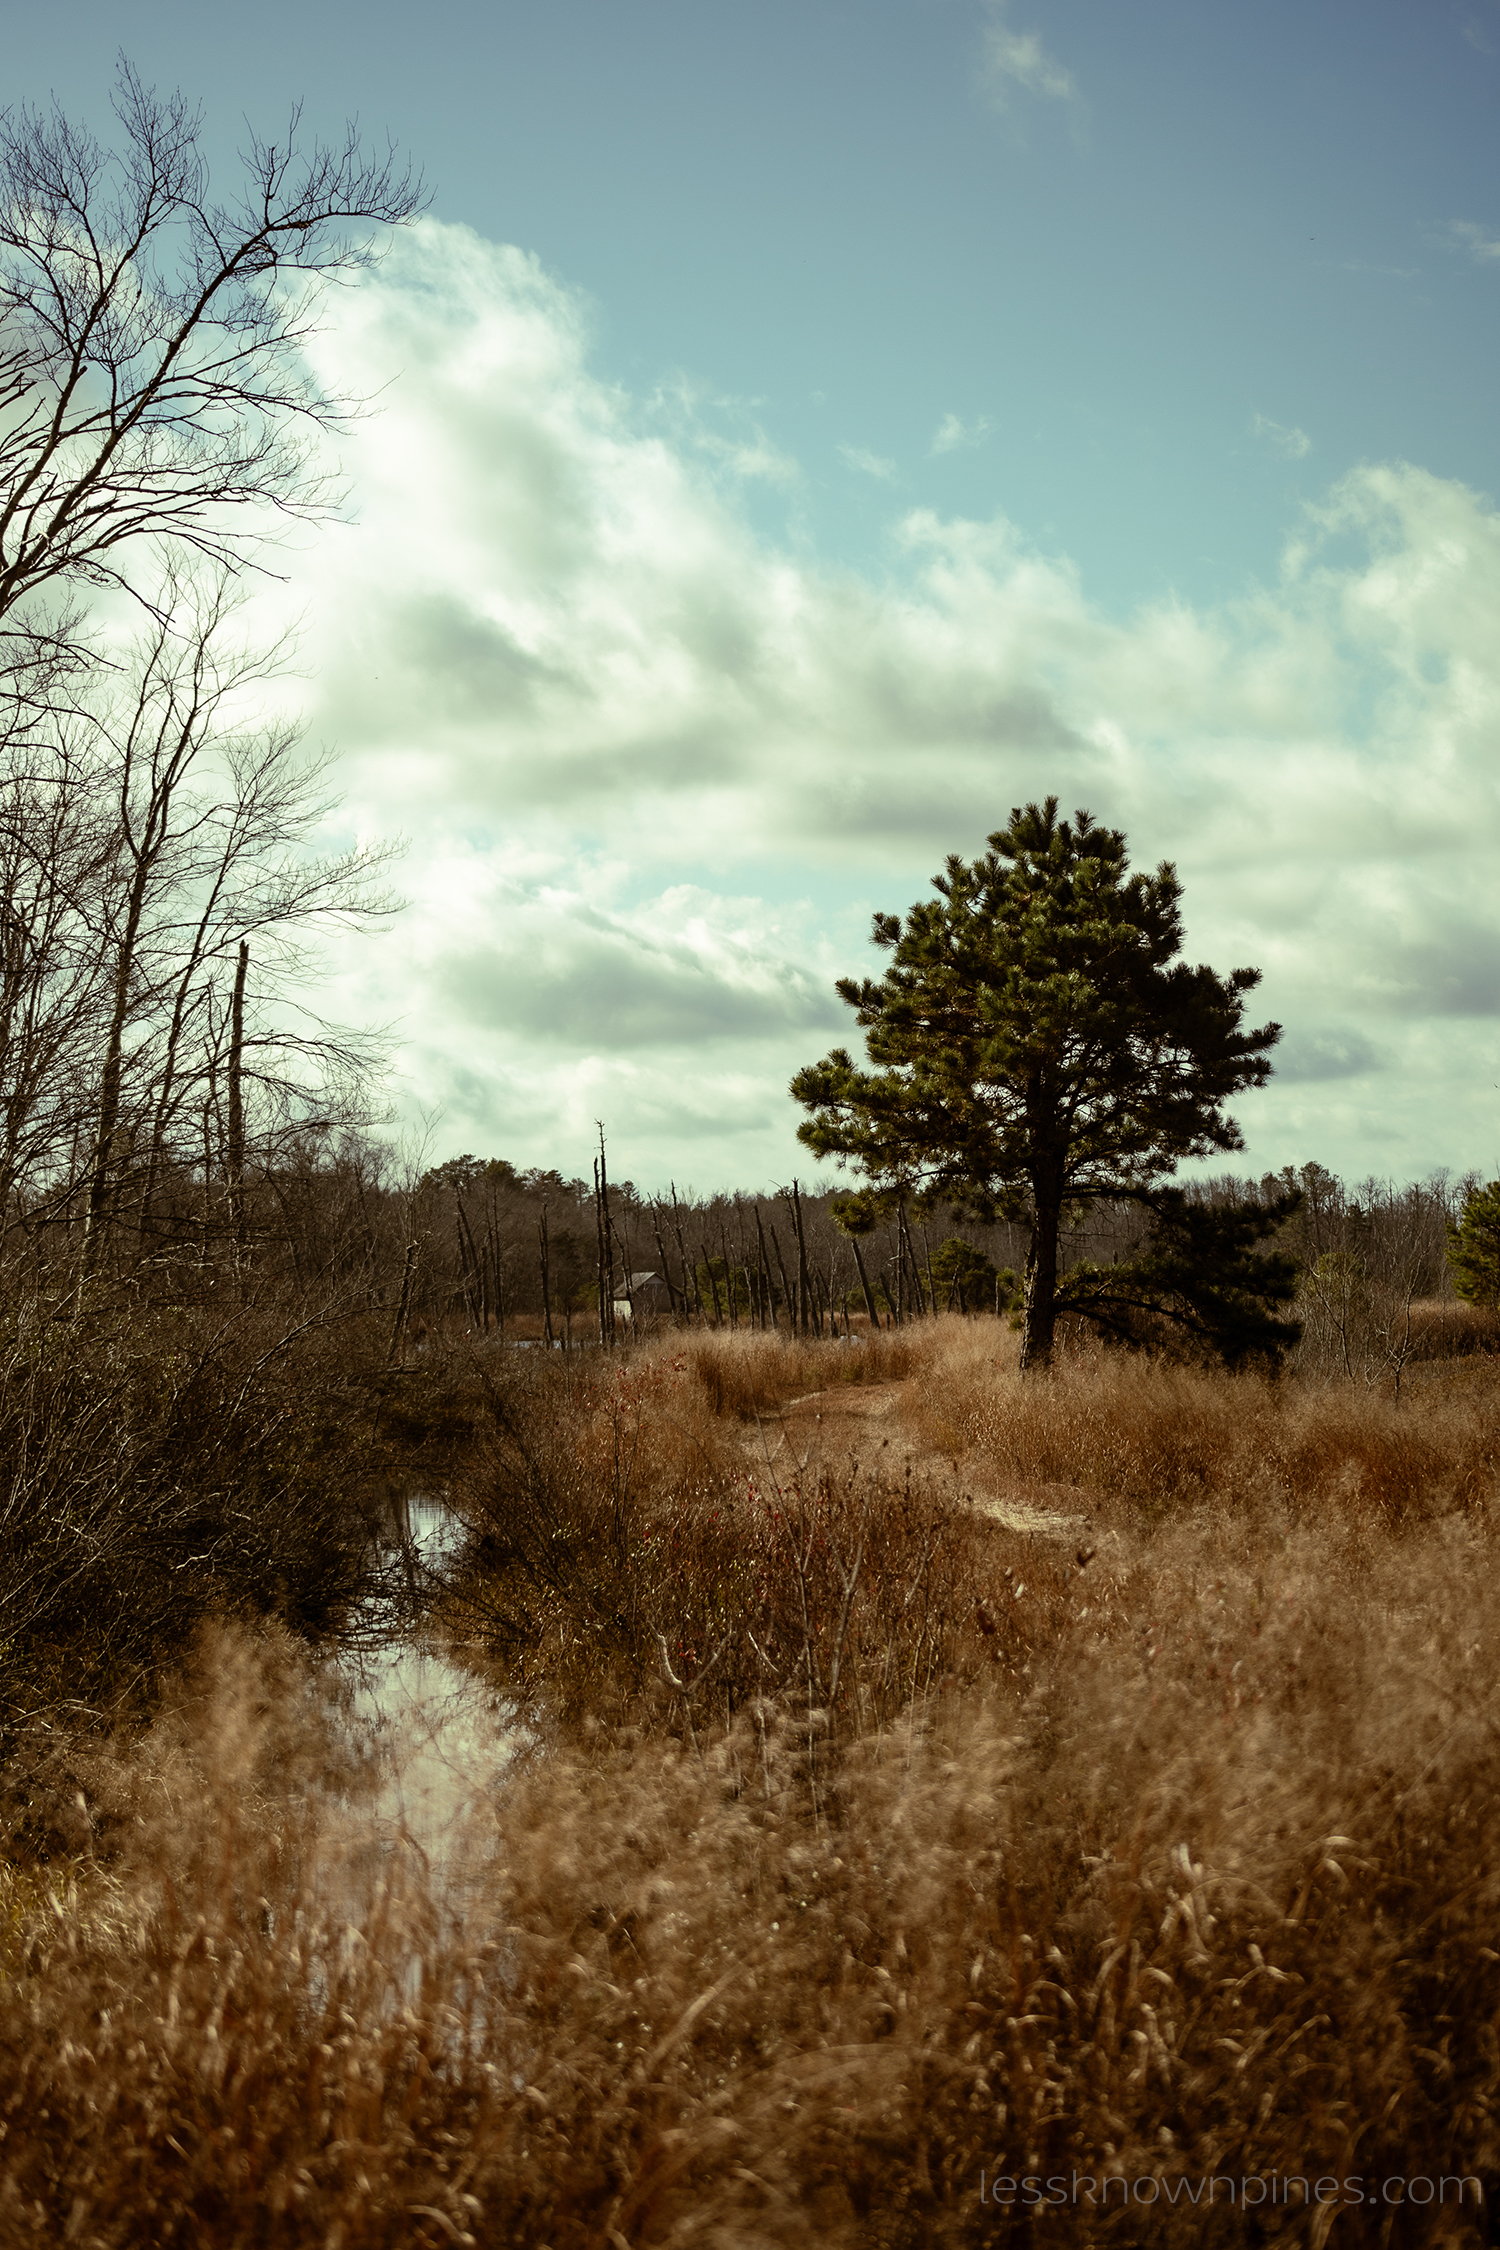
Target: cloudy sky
x=805, y=431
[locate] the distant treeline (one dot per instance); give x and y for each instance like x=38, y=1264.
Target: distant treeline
x=534, y=1254
x=529, y=1254
x=498, y=1241
x=207, y=1385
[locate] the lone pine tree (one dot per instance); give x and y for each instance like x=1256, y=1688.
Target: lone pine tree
x=1036, y=1043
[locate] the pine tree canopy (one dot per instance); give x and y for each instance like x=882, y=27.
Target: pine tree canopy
x=1474, y=1246
x=1036, y=1041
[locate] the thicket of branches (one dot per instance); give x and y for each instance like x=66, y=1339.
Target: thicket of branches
x=157, y=415
x=179, y=1171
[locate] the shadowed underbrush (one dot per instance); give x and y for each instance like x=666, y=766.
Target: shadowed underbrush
x=1171, y=1856
x=164, y=1464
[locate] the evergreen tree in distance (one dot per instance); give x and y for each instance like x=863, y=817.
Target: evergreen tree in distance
x=1474, y=1247
x=1037, y=1043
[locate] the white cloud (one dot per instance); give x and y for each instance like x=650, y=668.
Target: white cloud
x=1480, y=242
x=723, y=431
x=953, y=433
x=657, y=772
x=595, y=979
x=1015, y=60
x=1281, y=438
x=869, y=464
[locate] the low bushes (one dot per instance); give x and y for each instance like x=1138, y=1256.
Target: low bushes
x=162, y=1464
x=629, y=1556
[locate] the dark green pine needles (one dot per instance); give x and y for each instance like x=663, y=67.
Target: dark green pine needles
x=1036, y=1043
x=1474, y=1246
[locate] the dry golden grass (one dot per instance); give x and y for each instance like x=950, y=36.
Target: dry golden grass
x=1150, y=1440
x=754, y=1373
x=1181, y=1858
x=628, y=1551
x=1447, y=1329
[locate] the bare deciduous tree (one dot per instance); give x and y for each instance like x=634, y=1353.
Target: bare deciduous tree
x=212, y=823
x=153, y=381
x=58, y=866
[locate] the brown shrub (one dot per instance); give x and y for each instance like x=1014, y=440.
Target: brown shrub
x=161, y=1464
x=627, y=1555
x=1444, y=1330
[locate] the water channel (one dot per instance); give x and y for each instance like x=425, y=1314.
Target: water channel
x=439, y=1737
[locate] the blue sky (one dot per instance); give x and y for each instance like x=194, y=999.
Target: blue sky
x=807, y=430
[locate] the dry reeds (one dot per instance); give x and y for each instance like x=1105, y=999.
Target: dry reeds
x=629, y=1552
x=1154, y=1439
x=1165, y=1887
x=753, y=1374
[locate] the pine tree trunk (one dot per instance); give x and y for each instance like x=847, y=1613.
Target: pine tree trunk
x=1040, y=1319
x=913, y=1272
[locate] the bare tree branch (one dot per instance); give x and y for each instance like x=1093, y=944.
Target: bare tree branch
x=153, y=371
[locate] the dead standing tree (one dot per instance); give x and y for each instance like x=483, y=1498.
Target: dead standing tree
x=606, y=1247
x=545, y=1248
x=58, y=868
x=210, y=826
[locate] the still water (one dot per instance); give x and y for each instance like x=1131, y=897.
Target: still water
x=437, y=1736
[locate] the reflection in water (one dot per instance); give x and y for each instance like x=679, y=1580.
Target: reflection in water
x=439, y=1736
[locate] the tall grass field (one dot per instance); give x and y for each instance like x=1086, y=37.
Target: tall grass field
x=927, y=1808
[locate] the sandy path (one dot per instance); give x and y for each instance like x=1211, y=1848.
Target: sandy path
x=858, y=1422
